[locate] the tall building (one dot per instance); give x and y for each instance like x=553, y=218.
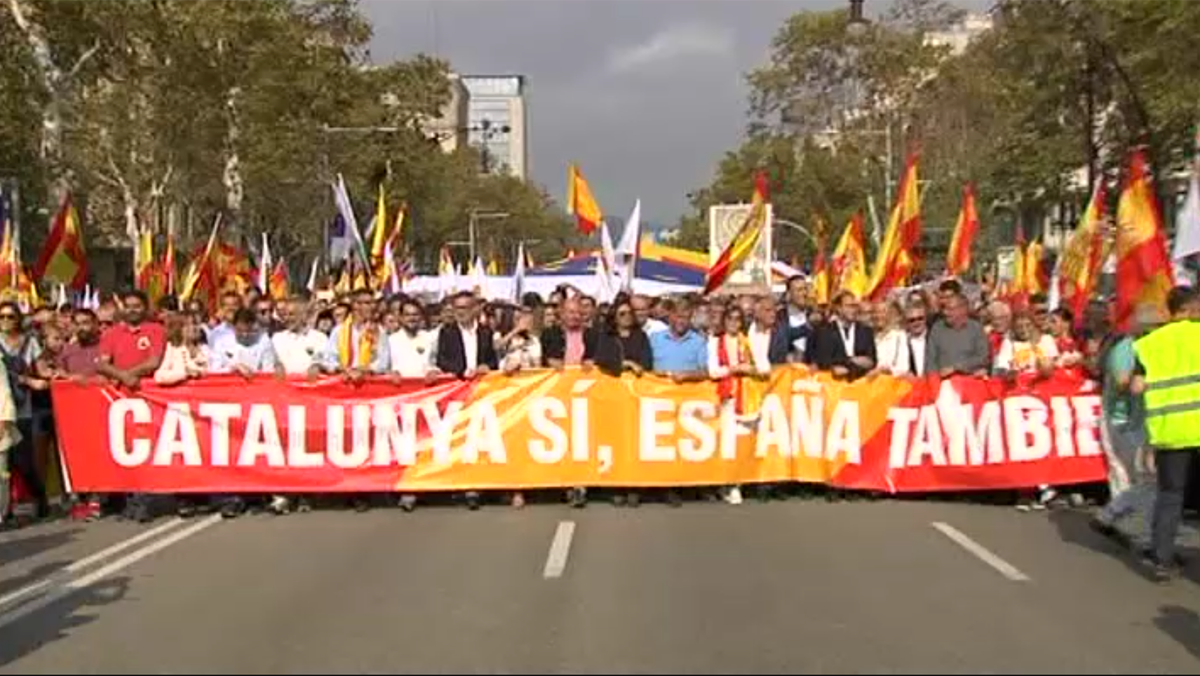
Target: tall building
x=496, y=122
x=449, y=128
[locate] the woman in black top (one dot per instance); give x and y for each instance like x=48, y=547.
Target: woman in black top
x=620, y=344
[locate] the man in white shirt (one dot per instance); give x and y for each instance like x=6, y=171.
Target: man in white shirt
x=762, y=333
x=411, y=348
x=796, y=315
x=298, y=345
x=916, y=325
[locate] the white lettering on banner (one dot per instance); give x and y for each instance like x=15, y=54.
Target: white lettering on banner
x=772, y=429
x=702, y=443
x=1020, y=428
x=391, y=444
x=927, y=439
x=261, y=438
x=808, y=424
x=297, y=453
x=220, y=415
x=650, y=428
x=177, y=437
x=1087, y=425
x=731, y=429
x=483, y=434
x=845, y=433
x=441, y=427
x=138, y=452
x=542, y=414
x=1025, y=425
x=580, y=439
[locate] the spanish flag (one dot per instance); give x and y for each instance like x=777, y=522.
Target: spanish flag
x=744, y=242
x=958, y=257
x=379, y=234
x=144, y=258
x=849, y=264
x=1144, y=272
x=896, y=258
x=821, y=275
x=580, y=202
x=63, y=259
x=1082, y=256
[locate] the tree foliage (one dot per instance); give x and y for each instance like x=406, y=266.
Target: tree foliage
x=1010, y=113
x=227, y=106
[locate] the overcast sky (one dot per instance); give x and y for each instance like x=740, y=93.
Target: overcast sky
x=645, y=95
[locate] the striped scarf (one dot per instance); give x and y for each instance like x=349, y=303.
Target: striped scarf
x=355, y=358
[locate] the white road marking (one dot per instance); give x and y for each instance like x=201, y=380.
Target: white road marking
x=86, y=561
x=982, y=553
x=560, y=549
x=70, y=586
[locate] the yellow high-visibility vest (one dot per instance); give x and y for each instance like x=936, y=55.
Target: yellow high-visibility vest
x=1170, y=357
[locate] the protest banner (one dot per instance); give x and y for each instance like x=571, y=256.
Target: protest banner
x=546, y=429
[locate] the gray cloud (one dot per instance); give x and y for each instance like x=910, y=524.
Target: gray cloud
x=645, y=96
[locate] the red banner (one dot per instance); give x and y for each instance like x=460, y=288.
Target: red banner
x=574, y=428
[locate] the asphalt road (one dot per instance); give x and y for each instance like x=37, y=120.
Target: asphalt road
x=785, y=587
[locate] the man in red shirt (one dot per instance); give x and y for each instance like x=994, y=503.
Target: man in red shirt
x=131, y=350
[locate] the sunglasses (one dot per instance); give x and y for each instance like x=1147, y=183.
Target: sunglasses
x=916, y=319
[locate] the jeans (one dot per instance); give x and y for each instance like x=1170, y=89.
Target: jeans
x=22, y=461
x=1173, y=468
x=1132, y=491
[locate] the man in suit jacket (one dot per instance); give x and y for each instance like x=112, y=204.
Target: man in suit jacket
x=572, y=342
x=465, y=348
x=844, y=345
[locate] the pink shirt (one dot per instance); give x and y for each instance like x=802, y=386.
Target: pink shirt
x=575, y=348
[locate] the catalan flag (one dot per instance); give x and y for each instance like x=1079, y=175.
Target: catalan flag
x=744, y=242
x=581, y=203
x=958, y=257
x=897, y=259
x=1144, y=273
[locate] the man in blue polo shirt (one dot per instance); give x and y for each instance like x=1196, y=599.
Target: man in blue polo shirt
x=679, y=352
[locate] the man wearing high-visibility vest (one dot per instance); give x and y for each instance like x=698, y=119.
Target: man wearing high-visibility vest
x=1167, y=374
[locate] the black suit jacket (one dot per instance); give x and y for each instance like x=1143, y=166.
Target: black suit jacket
x=554, y=343
x=827, y=350
x=450, y=355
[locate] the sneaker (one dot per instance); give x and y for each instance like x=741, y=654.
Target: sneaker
x=94, y=511
x=361, y=505
x=233, y=508
x=408, y=502
x=1024, y=507
x=185, y=510
x=518, y=500
x=78, y=512
x=1046, y=495
x=619, y=500
x=1038, y=506
x=734, y=496
x=674, y=499
x=472, y=498
x=634, y=500
x=280, y=505
x=577, y=497
x=303, y=505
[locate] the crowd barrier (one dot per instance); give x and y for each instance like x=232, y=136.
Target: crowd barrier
x=544, y=429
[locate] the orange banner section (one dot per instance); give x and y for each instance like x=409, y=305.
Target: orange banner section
x=551, y=429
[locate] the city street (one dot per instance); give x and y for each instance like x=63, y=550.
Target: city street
x=785, y=587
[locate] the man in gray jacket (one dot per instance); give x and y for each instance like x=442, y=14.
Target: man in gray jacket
x=957, y=343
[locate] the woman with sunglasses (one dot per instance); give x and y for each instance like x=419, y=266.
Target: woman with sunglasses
x=20, y=350
x=622, y=347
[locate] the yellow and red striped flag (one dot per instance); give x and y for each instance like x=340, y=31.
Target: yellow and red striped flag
x=1144, y=274
x=1083, y=255
x=958, y=257
x=744, y=242
x=849, y=261
x=63, y=259
x=896, y=259
x=581, y=203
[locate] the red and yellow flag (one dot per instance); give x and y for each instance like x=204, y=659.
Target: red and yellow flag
x=958, y=257
x=849, y=261
x=1144, y=274
x=581, y=203
x=379, y=234
x=896, y=259
x=744, y=242
x=277, y=284
x=1082, y=256
x=821, y=275
x=63, y=259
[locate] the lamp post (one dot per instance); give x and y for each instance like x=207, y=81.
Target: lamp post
x=797, y=227
x=474, y=217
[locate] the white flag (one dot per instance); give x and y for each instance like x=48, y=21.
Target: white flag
x=264, y=266
x=604, y=282
x=479, y=282
x=518, y=280
x=627, y=248
x=312, y=276
x=1187, y=232
x=346, y=210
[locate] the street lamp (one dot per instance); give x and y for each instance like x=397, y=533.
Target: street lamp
x=475, y=216
x=487, y=130
x=857, y=23
x=797, y=227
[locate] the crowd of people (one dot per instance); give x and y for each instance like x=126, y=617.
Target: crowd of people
x=720, y=339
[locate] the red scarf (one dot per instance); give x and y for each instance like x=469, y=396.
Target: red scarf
x=730, y=387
